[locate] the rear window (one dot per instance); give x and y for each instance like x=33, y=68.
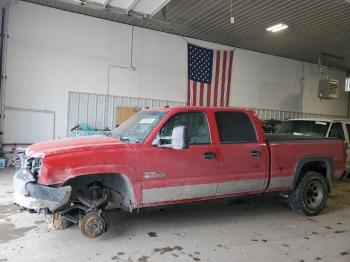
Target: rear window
x=337, y=131
x=235, y=127
x=304, y=127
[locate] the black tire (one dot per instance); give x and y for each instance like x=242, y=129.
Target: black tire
x=94, y=224
x=310, y=195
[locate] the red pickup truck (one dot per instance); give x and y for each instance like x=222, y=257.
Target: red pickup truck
x=163, y=156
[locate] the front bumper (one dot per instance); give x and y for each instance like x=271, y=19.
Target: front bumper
x=31, y=195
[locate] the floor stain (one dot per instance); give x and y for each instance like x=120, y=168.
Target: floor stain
x=114, y=258
x=143, y=259
x=152, y=234
x=7, y=210
x=196, y=259
x=166, y=249
x=120, y=253
x=339, y=231
x=344, y=253
x=3, y=259
x=328, y=227
x=318, y=258
x=9, y=231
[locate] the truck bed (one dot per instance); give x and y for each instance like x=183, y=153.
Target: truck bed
x=286, y=137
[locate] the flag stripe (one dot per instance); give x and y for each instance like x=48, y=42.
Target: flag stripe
x=208, y=94
x=217, y=69
x=194, y=93
x=201, y=93
x=188, y=92
x=223, y=79
x=229, y=79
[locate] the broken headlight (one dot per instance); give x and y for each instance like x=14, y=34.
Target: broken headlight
x=33, y=166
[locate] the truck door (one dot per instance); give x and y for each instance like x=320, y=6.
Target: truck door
x=170, y=175
x=338, y=130
x=243, y=160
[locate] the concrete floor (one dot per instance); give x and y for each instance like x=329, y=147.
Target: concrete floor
x=262, y=229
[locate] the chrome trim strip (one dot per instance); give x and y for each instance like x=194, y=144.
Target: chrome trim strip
x=155, y=195
x=180, y=192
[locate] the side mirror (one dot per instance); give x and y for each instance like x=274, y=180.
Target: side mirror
x=179, y=138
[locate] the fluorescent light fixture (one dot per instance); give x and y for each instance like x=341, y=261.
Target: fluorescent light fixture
x=277, y=28
x=347, y=84
x=123, y=4
x=94, y=2
x=147, y=7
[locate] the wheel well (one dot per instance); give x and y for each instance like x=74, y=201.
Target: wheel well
x=318, y=166
x=119, y=187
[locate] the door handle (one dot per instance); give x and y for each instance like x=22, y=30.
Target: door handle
x=209, y=155
x=255, y=154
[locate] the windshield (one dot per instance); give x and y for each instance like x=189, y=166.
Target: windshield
x=304, y=127
x=138, y=127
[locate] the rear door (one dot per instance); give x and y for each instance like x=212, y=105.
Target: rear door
x=171, y=175
x=243, y=161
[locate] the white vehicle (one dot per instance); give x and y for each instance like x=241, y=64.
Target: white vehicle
x=337, y=128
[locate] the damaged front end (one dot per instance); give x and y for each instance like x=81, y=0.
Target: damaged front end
x=29, y=194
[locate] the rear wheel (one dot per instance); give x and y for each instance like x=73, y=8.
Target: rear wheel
x=310, y=195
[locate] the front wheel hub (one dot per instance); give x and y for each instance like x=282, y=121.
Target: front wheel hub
x=93, y=224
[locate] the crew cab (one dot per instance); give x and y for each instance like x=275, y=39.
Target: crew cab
x=164, y=156
x=323, y=127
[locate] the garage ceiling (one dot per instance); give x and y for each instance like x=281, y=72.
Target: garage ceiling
x=317, y=28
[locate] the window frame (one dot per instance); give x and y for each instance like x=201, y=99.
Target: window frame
x=238, y=142
x=342, y=128
x=191, y=112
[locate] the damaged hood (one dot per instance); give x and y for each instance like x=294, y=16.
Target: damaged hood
x=72, y=144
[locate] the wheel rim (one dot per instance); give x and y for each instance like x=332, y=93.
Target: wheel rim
x=314, y=194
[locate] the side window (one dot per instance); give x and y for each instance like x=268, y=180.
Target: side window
x=196, y=124
x=337, y=131
x=235, y=127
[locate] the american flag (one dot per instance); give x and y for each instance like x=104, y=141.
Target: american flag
x=209, y=76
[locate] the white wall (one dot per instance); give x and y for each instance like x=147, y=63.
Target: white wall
x=52, y=52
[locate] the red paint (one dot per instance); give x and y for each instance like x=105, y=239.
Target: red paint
x=67, y=158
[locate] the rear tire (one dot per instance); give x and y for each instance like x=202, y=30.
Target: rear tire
x=310, y=195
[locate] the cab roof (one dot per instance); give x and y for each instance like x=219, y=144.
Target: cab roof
x=198, y=108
